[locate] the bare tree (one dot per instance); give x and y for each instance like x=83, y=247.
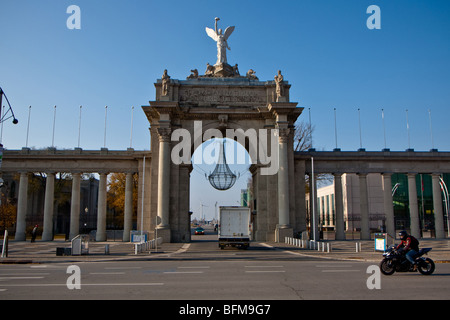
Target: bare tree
x=303, y=142
x=303, y=136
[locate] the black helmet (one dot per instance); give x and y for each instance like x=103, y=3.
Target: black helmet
x=403, y=234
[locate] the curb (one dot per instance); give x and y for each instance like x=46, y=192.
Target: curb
x=15, y=261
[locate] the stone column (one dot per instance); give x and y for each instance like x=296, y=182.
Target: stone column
x=437, y=206
x=101, y=211
x=283, y=228
x=164, y=183
x=47, y=234
x=364, y=206
x=283, y=182
x=22, y=207
x=75, y=206
x=128, y=210
x=260, y=194
x=388, y=204
x=413, y=206
x=339, y=207
x=183, y=209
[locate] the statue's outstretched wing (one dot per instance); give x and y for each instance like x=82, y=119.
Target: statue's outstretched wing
x=228, y=32
x=210, y=32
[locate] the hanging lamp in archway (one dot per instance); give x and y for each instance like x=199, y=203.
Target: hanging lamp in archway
x=222, y=178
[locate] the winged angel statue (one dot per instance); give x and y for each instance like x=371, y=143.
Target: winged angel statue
x=221, y=40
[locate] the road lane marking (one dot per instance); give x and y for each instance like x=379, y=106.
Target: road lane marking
x=172, y=272
x=265, y=271
x=19, y=278
x=336, y=265
x=341, y=270
x=24, y=274
x=264, y=266
x=184, y=248
x=193, y=267
x=107, y=273
x=82, y=284
x=48, y=267
x=121, y=268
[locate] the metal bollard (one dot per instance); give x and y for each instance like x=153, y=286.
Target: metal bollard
x=106, y=248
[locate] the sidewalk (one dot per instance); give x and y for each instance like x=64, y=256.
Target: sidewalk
x=346, y=250
x=22, y=252
x=45, y=252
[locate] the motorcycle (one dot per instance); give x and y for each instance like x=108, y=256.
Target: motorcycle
x=394, y=260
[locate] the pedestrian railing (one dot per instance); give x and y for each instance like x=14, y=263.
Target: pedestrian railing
x=309, y=244
x=147, y=245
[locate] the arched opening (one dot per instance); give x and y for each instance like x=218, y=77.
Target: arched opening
x=205, y=200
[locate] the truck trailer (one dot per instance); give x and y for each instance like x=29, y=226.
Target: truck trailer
x=234, y=227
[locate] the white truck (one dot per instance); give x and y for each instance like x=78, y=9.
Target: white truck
x=234, y=227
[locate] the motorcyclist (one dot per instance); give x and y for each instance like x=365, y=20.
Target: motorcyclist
x=409, y=246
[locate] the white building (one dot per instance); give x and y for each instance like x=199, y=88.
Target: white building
x=351, y=203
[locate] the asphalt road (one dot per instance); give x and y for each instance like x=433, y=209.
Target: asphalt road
x=204, y=272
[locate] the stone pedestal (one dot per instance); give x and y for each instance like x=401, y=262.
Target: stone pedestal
x=282, y=232
x=164, y=233
x=223, y=70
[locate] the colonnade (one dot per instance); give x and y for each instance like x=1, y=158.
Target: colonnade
x=387, y=205
x=47, y=234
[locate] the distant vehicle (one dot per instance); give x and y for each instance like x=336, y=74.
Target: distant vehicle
x=234, y=227
x=199, y=230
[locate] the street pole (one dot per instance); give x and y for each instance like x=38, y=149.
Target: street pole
x=79, y=128
x=104, y=136
x=28, y=126
x=54, y=122
x=313, y=199
x=131, y=130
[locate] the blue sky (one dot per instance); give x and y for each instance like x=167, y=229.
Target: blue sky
x=323, y=47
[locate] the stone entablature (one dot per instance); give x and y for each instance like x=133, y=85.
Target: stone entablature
x=228, y=92
x=84, y=161
x=376, y=162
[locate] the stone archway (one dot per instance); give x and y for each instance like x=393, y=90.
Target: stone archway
x=203, y=106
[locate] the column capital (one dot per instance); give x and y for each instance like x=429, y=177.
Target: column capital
x=283, y=135
x=362, y=174
x=164, y=134
x=434, y=174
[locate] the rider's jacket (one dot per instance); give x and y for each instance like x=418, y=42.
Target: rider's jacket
x=409, y=243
